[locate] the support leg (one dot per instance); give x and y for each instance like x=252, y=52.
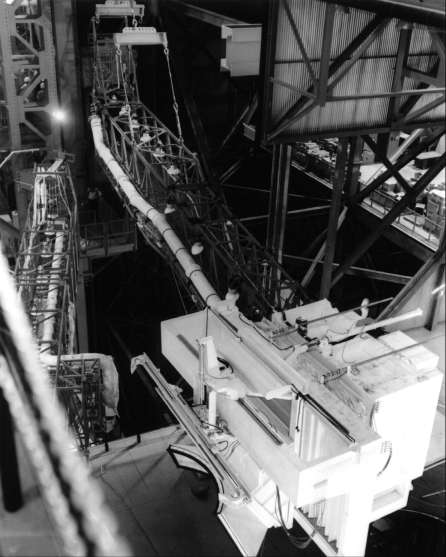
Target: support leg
x=9, y=467
x=336, y=201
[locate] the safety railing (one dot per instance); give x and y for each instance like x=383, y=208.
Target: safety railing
x=412, y=223
x=46, y=277
x=104, y=236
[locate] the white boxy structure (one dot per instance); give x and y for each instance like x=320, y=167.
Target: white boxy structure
x=329, y=433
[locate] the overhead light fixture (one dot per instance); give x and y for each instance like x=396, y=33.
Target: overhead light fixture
x=59, y=115
x=197, y=248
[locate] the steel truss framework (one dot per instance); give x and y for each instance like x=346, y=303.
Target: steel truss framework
x=46, y=276
x=46, y=269
x=411, y=194
x=346, y=202
x=167, y=173
x=29, y=74
x=79, y=385
x=414, y=99
x=326, y=69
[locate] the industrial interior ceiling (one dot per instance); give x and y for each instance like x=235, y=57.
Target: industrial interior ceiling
x=222, y=277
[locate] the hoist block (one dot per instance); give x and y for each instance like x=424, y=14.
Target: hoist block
x=139, y=36
x=119, y=8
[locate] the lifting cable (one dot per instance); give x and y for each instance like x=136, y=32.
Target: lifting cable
x=174, y=98
x=124, y=84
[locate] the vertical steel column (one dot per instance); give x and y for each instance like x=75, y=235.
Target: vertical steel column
x=353, y=166
x=278, y=200
x=37, y=54
x=9, y=466
x=267, y=56
x=81, y=307
x=386, y=142
x=69, y=85
x=336, y=200
x=277, y=212
x=327, y=38
x=7, y=23
x=437, y=299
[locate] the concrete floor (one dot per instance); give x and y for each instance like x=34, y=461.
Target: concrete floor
x=149, y=496
x=29, y=531
x=152, y=499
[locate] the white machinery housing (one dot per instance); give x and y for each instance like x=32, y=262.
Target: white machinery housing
x=331, y=434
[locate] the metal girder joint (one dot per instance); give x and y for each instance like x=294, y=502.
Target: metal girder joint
x=387, y=220
x=337, y=70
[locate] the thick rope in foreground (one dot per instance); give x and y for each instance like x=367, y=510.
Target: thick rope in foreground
x=75, y=500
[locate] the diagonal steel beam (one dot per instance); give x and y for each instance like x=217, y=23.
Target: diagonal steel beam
x=390, y=167
x=402, y=55
x=324, y=67
x=424, y=77
x=201, y=14
x=423, y=110
x=427, y=13
x=336, y=203
x=267, y=57
x=387, y=220
x=244, y=118
x=290, y=116
x=416, y=283
x=278, y=201
x=290, y=17
x=400, y=163
x=407, y=106
x=358, y=52
x=357, y=271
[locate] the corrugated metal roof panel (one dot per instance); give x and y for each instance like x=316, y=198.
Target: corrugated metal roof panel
x=372, y=73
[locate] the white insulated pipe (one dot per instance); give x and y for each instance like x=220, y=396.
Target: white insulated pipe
x=191, y=269
x=396, y=155
x=384, y=323
x=53, y=293
x=212, y=407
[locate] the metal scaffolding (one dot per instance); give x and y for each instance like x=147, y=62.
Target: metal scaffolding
x=47, y=276
x=30, y=84
x=171, y=177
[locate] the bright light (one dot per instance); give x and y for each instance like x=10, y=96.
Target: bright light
x=439, y=290
x=59, y=115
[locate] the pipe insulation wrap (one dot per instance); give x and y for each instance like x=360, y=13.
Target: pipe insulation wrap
x=49, y=323
x=191, y=269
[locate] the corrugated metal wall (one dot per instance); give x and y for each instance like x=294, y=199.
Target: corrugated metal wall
x=372, y=73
